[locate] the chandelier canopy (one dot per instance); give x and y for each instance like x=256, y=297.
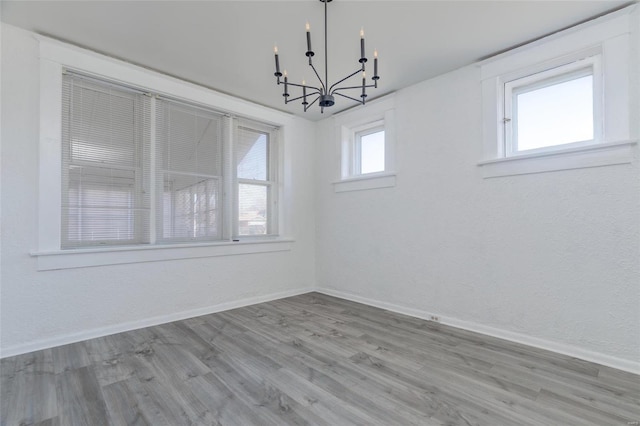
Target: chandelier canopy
x=325, y=94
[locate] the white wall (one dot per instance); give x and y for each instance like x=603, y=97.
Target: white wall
x=40, y=309
x=551, y=259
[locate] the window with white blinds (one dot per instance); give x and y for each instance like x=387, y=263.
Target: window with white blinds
x=105, y=141
x=189, y=172
x=126, y=183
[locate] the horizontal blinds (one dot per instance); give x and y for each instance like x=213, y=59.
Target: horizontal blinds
x=188, y=172
x=183, y=176
x=105, y=141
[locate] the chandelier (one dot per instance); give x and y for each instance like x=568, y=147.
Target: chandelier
x=325, y=93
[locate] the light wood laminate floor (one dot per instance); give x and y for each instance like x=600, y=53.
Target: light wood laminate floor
x=310, y=359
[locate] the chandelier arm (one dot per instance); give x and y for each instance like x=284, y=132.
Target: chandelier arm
x=335, y=91
x=306, y=107
x=319, y=79
x=360, y=101
x=346, y=78
x=305, y=85
x=303, y=96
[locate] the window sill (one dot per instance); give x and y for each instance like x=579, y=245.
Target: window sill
x=81, y=258
x=597, y=155
x=370, y=181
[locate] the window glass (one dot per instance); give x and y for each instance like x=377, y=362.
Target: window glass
x=252, y=214
x=554, y=114
x=251, y=151
x=372, y=152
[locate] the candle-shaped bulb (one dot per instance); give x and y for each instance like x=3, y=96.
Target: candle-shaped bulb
x=303, y=83
x=375, y=66
x=285, y=73
x=275, y=51
x=362, y=32
x=364, y=74
x=307, y=26
x=309, y=39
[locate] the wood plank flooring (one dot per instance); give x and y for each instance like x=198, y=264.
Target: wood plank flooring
x=310, y=360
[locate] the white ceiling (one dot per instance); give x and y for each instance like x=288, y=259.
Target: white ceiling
x=228, y=45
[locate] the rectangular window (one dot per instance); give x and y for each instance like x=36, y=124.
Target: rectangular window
x=364, y=149
x=128, y=181
x=104, y=142
x=188, y=172
x=556, y=108
x=255, y=178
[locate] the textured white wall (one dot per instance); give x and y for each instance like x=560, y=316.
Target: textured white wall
x=40, y=308
x=552, y=258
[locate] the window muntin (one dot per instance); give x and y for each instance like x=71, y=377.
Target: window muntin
x=553, y=109
x=129, y=180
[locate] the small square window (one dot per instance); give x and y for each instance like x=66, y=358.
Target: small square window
x=365, y=150
x=553, y=108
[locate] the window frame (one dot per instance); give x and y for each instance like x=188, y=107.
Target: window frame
x=55, y=57
x=271, y=182
x=589, y=66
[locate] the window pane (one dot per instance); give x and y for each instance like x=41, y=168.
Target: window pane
x=554, y=115
x=100, y=205
x=252, y=218
x=189, y=207
x=191, y=140
x=251, y=154
x=372, y=153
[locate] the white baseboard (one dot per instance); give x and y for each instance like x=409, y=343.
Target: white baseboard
x=569, y=350
x=147, y=322
x=561, y=348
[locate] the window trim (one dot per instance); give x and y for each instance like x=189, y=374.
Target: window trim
x=380, y=114
x=607, y=36
x=55, y=57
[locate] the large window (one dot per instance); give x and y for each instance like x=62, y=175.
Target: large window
x=142, y=169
